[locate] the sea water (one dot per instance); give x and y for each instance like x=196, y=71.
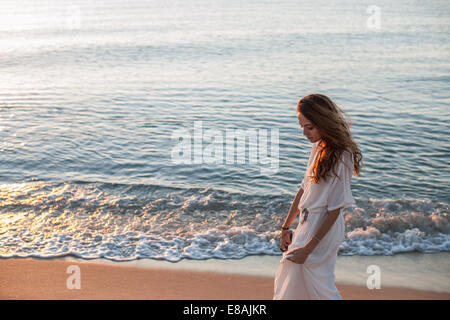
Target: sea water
x=92, y=93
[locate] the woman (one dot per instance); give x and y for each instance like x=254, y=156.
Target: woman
x=306, y=269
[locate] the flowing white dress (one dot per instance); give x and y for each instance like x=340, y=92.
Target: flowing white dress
x=315, y=278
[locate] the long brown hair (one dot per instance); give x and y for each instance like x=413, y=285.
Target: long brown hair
x=336, y=137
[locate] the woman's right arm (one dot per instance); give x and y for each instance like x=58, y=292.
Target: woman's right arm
x=294, y=210
x=285, y=239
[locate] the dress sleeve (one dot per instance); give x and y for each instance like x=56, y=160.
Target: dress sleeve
x=340, y=193
x=311, y=155
x=302, y=184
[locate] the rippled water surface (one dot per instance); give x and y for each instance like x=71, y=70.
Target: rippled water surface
x=91, y=94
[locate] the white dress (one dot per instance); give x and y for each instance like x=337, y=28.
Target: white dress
x=315, y=278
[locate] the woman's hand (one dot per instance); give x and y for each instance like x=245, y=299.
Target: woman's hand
x=285, y=239
x=299, y=255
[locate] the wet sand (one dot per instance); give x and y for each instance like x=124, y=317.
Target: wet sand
x=49, y=279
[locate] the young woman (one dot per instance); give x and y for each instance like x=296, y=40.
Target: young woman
x=306, y=269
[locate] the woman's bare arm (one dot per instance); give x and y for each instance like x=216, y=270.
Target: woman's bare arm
x=294, y=210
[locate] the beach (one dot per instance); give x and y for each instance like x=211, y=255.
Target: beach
x=153, y=148
x=43, y=279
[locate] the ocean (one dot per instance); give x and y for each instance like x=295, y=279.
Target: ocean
x=97, y=98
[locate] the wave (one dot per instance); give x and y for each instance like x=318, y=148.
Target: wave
x=126, y=222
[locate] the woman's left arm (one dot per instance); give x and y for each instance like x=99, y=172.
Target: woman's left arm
x=301, y=254
x=326, y=225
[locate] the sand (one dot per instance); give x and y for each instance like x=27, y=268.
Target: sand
x=48, y=279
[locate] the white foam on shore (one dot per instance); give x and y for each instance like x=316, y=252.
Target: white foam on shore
x=96, y=221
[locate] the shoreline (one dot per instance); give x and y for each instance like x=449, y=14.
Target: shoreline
x=48, y=279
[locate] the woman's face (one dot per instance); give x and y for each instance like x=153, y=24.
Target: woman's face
x=309, y=130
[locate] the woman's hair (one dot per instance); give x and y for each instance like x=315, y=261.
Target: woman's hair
x=326, y=116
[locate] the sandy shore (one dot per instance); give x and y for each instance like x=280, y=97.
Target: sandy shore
x=47, y=279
